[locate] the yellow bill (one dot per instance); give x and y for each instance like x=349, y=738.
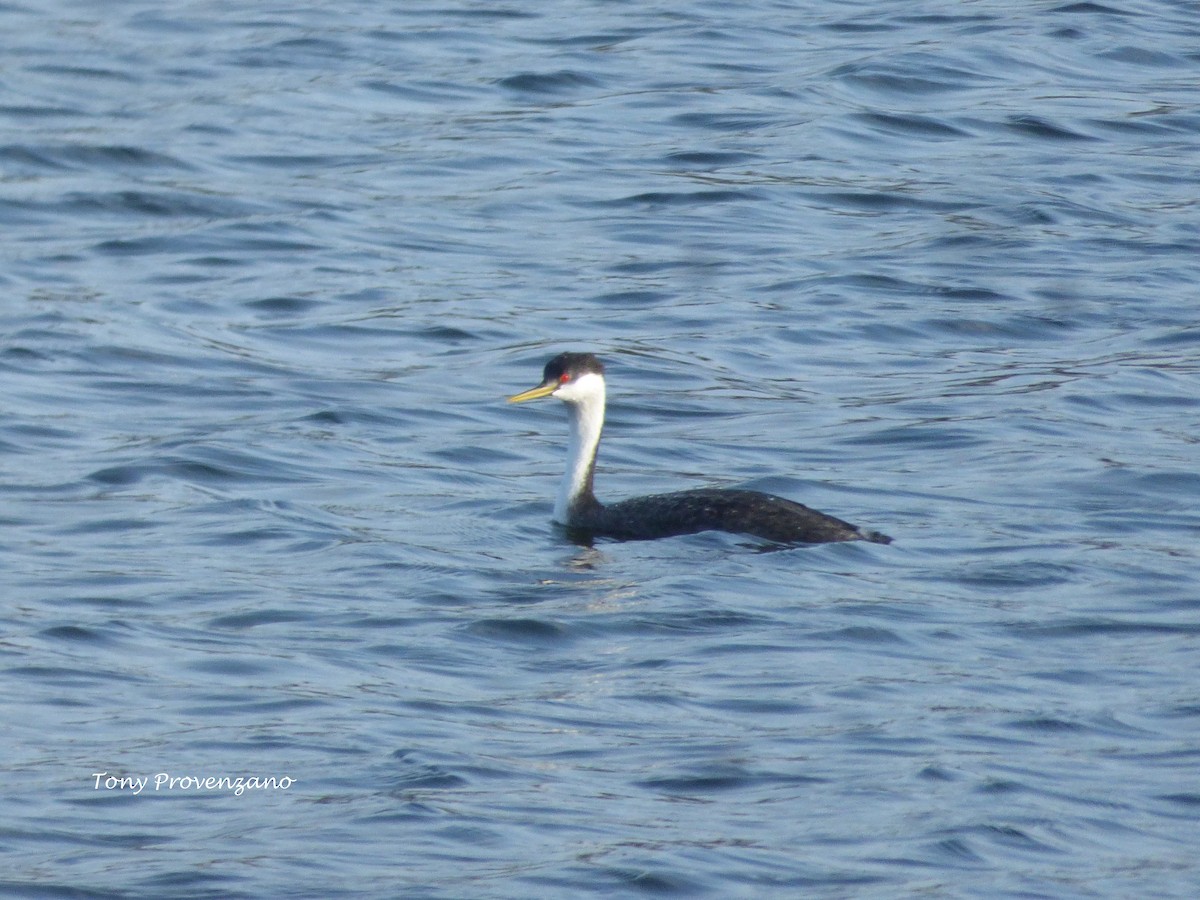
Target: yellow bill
x=542, y=390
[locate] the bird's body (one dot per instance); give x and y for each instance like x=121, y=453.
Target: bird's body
x=578, y=380
x=715, y=509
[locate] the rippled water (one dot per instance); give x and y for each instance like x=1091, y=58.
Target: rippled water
x=268, y=273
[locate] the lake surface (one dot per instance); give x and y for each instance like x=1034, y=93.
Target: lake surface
x=268, y=273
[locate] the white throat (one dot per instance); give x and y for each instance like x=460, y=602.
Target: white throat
x=585, y=405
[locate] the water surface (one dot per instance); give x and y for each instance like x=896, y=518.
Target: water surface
x=268, y=276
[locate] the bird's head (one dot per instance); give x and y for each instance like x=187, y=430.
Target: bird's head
x=570, y=377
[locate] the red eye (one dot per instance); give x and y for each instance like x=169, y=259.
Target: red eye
x=564, y=378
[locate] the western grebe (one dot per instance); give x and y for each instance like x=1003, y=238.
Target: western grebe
x=577, y=379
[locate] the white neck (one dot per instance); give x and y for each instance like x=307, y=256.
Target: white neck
x=585, y=404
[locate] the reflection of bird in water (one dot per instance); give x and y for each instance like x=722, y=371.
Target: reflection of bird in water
x=577, y=379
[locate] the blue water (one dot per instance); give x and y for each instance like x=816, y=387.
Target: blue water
x=268, y=272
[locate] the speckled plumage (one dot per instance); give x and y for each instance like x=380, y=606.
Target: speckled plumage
x=578, y=380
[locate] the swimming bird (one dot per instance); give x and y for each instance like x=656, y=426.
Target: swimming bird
x=577, y=379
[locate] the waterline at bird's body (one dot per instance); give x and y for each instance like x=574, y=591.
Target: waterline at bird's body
x=577, y=379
